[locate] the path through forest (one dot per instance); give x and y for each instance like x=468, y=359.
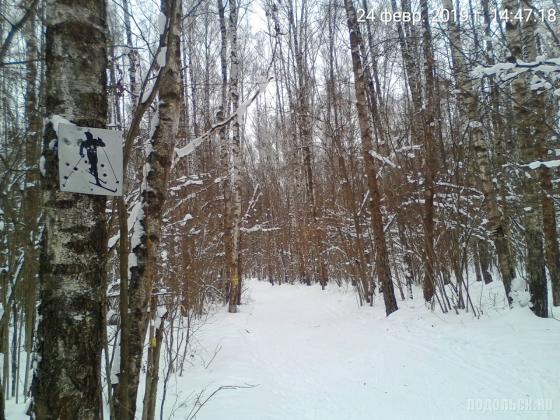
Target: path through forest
x=313, y=354
x=298, y=353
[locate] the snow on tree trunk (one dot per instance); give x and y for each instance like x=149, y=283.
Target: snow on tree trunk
x=429, y=123
x=347, y=191
x=305, y=126
x=423, y=122
x=225, y=145
x=497, y=224
x=147, y=230
x=528, y=131
x=132, y=53
x=235, y=281
x=32, y=197
x=66, y=383
x=382, y=255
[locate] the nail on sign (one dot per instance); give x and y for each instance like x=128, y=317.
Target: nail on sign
x=90, y=160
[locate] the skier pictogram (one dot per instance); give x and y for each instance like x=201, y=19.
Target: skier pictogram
x=90, y=160
x=91, y=146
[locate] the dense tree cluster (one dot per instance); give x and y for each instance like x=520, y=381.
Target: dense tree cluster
x=288, y=140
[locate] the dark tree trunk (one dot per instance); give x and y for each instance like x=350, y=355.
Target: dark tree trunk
x=430, y=155
x=382, y=255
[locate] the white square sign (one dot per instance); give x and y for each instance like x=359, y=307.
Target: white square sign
x=90, y=160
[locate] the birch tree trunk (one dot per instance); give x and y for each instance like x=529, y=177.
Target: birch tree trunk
x=528, y=132
x=422, y=123
x=32, y=198
x=225, y=146
x=235, y=281
x=66, y=384
x=132, y=54
x=147, y=230
x=152, y=369
x=305, y=126
x=497, y=224
x=347, y=191
x=428, y=111
x=382, y=255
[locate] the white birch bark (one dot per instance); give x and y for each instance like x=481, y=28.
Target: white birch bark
x=66, y=383
x=473, y=125
x=528, y=133
x=147, y=230
x=234, y=268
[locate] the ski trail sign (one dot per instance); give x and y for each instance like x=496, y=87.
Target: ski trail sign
x=90, y=160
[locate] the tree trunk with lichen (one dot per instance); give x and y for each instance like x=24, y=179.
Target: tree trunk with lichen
x=67, y=384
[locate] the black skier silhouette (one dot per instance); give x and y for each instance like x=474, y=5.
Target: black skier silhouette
x=91, y=146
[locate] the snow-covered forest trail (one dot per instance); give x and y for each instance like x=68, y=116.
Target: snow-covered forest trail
x=312, y=354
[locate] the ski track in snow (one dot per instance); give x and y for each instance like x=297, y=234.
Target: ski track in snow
x=315, y=354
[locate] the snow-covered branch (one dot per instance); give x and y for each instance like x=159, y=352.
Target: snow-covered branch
x=238, y=113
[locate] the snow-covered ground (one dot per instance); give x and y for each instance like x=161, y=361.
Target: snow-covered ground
x=299, y=353
x=312, y=354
